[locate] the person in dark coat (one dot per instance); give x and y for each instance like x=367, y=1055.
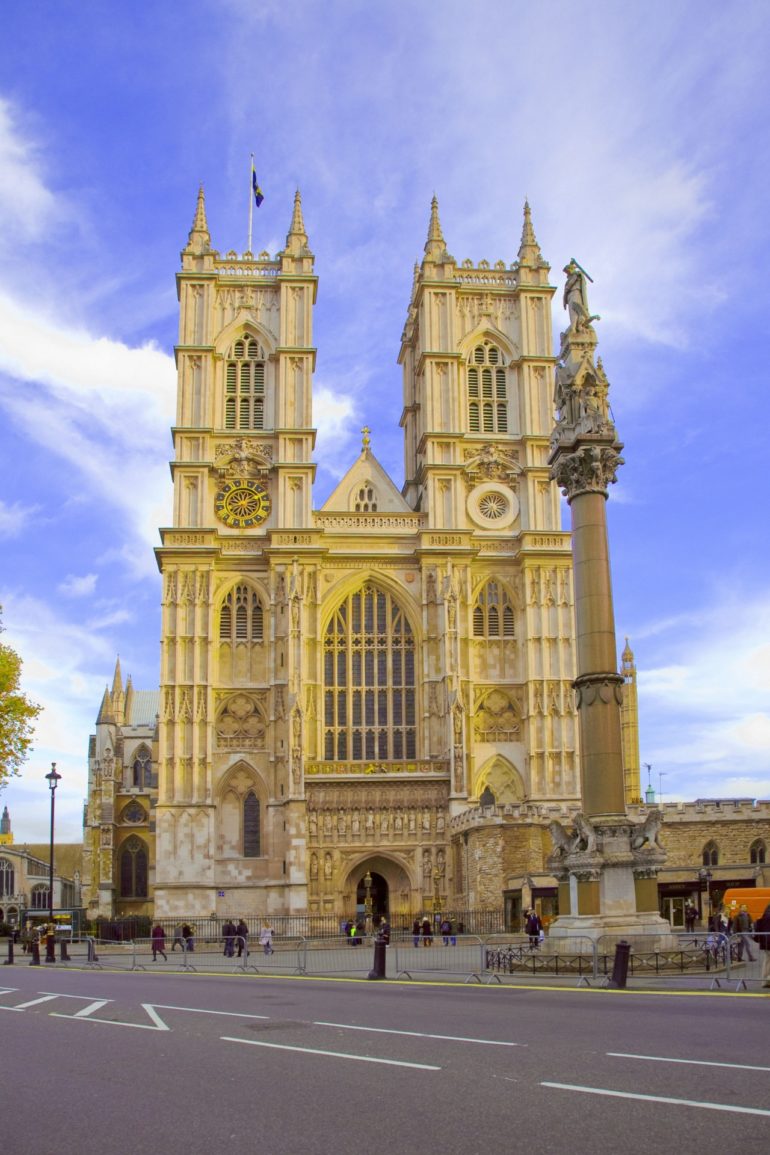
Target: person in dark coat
x=158, y=943
x=242, y=931
x=416, y=932
x=762, y=939
x=228, y=934
x=427, y=932
x=533, y=927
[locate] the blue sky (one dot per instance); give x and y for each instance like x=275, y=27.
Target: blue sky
x=640, y=136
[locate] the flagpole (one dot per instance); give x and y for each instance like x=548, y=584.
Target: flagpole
x=251, y=200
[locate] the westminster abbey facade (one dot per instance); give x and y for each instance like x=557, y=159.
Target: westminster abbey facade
x=379, y=686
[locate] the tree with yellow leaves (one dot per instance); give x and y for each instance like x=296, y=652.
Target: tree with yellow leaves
x=17, y=714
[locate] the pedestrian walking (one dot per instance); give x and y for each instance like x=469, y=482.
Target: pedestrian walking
x=742, y=928
x=446, y=930
x=178, y=938
x=188, y=936
x=427, y=932
x=416, y=932
x=266, y=937
x=532, y=927
x=762, y=939
x=242, y=931
x=228, y=934
x=158, y=943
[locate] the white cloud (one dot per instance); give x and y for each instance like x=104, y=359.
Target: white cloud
x=27, y=206
x=15, y=518
x=78, y=587
x=704, y=718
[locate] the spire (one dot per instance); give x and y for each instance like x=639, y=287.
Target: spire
x=5, y=822
x=435, y=246
x=529, y=249
x=117, y=681
x=105, y=710
x=296, y=238
x=297, y=223
x=199, y=240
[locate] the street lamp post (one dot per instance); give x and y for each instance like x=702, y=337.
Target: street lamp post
x=53, y=779
x=706, y=876
x=436, y=895
x=368, y=901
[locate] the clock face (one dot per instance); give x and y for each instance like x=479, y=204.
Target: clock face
x=242, y=503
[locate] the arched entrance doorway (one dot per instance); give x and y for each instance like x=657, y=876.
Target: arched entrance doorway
x=379, y=893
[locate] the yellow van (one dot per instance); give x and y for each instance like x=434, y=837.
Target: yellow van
x=754, y=898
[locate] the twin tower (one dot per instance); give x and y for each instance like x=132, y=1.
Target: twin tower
x=382, y=687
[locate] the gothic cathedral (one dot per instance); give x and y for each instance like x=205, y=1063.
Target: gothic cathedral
x=356, y=689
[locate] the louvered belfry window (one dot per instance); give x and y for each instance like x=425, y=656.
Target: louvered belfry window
x=369, y=680
x=245, y=386
x=493, y=612
x=241, y=618
x=487, y=391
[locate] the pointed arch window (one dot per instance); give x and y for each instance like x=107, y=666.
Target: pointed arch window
x=493, y=612
x=141, y=770
x=365, y=499
x=711, y=854
x=757, y=852
x=134, y=868
x=39, y=898
x=241, y=617
x=369, y=680
x=251, y=826
x=245, y=385
x=7, y=878
x=487, y=390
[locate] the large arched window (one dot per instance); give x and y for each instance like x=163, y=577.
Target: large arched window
x=7, y=878
x=487, y=390
x=369, y=680
x=493, y=612
x=134, y=868
x=39, y=897
x=711, y=854
x=241, y=618
x=757, y=852
x=251, y=826
x=141, y=774
x=245, y=385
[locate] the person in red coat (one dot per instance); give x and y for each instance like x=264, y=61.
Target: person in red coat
x=158, y=943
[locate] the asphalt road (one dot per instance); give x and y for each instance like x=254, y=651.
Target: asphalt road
x=181, y=1064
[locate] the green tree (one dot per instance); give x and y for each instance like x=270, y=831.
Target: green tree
x=17, y=714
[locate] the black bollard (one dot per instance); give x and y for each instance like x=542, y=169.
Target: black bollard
x=9, y=961
x=64, y=957
x=50, y=948
x=620, y=965
x=35, y=948
x=378, y=969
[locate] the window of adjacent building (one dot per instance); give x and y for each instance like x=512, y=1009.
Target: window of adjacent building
x=134, y=869
x=7, y=878
x=245, y=386
x=369, y=680
x=487, y=391
x=39, y=898
x=251, y=827
x=493, y=612
x=141, y=770
x=757, y=852
x=241, y=618
x=711, y=854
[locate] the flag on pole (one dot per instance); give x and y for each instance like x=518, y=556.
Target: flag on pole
x=258, y=194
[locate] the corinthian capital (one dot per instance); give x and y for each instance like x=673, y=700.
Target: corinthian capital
x=590, y=469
